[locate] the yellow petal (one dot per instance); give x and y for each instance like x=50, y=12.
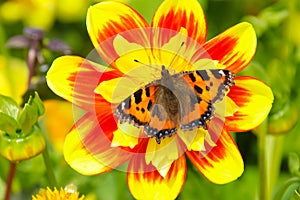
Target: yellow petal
x=254, y=100
x=222, y=163
x=131, y=55
x=116, y=90
x=87, y=148
x=127, y=135
x=164, y=154
x=79, y=158
x=194, y=140
x=146, y=183
x=231, y=107
x=75, y=78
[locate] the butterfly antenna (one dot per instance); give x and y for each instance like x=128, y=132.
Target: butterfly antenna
x=175, y=56
x=148, y=65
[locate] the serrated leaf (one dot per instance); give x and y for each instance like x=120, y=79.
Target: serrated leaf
x=31, y=112
x=9, y=107
x=8, y=124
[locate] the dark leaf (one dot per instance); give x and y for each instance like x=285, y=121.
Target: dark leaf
x=58, y=46
x=34, y=33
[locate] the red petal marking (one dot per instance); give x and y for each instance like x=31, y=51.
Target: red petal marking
x=107, y=19
x=177, y=17
x=239, y=94
x=84, y=82
x=176, y=20
x=111, y=28
x=254, y=99
x=234, y=48
x=96, y=137
x=225, y=45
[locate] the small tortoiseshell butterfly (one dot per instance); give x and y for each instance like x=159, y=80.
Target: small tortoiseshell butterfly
x=181, y=101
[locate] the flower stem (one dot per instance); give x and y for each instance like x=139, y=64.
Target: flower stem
x=269, y=158
x=49, y=169
x=11, y=174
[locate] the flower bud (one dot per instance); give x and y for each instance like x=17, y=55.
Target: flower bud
x=22, y=146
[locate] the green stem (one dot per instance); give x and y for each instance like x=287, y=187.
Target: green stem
x=49, y=169
x=263, y=177
x=11, y=175
x=269, y=158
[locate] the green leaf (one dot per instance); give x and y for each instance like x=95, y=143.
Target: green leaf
x=9, y=107
x=31, y=112
x=8, y=124
x=39, y=104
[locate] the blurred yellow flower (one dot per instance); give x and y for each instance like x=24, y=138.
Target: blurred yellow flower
x=13, y=77
x=58, y=121
x=68, y=193
x=37, y=13
x=43, y=13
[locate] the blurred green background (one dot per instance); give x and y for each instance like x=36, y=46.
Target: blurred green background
x=277, y=24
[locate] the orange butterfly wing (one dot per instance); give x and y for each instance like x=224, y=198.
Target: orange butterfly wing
x=136, y=108
x=209, y=87
x=144, y=108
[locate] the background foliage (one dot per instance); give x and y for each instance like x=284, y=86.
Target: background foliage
x=276, y=62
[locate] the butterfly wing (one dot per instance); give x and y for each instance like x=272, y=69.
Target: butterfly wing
x=185, y=99
x=146, y=107
x=209, y=87
x=136, y=108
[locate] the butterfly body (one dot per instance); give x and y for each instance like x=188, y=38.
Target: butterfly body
x=180, y=101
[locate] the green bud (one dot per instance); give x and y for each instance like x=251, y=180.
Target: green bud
x=20, y=147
